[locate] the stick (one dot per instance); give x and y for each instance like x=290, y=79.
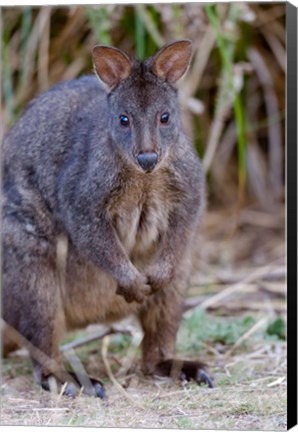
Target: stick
x=104, y=350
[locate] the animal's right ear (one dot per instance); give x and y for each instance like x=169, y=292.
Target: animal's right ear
x=111, y=65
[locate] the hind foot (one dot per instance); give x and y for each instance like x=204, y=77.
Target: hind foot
x=72, y=384
x=185, y=370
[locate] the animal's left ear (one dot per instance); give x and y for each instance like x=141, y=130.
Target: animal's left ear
x=171, y=61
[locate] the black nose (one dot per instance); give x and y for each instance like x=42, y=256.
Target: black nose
x=147, y=161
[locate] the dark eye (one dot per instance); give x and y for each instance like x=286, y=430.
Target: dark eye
x=164, y=118
x=124, y=120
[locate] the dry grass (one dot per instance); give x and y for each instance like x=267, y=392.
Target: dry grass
x=250, y=394
x=249, y=369
x=240, y=265
x=233, y=97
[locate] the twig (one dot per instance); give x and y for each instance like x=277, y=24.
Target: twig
x=277, y=48
x=215, y=132
x=277, y=306
x=235, y=288
x=275, y=289
x=262, y=219
x=275, y=274
x=271, y=21
x=274, y=129
x=276, y=382
x=80, y=372
x=104, y=350
x=96, y=336
x=51, y=364
x=29, y=63
x=247, y=334
x=194, y=105
x=19, y=409
x=131, y=353
x=200, y=60
x=43, y=52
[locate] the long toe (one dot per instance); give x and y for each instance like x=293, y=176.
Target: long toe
x=100, y=391
x=71, y=390
x=204, y=378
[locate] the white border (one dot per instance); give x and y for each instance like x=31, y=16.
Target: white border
x=96, y=2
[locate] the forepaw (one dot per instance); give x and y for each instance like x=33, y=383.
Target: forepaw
x=137, y=294
x=185, y=370
x=159, y=276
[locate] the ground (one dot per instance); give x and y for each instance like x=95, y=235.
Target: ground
x=234, y=321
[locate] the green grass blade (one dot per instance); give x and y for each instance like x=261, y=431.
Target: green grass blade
x=98, y=20
x=7, y=85
x=226, y=51
x=150, y=25
x=26, y=26
x=139, y=35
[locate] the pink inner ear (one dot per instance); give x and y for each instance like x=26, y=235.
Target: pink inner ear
x=172, y=61
x=111, y=65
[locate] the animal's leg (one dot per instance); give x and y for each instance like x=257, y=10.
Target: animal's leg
x=33, y=311
x=160, y=321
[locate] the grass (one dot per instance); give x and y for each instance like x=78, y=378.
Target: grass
x=250, y=380
x=41, y=49
x=212, y=329
x=227, y=51
x=248, y=394
x=98, y=20
x=166, y=406
x=139, y=35
x=250, y=377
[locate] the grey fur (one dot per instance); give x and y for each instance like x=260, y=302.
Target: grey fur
x=70, y=172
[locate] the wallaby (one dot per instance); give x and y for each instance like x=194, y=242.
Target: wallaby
x=103, y=163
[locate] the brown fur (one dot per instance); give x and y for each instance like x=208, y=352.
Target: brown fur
x=88, y=236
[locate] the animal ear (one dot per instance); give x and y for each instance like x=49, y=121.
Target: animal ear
x=172, y=61
x=111, y=65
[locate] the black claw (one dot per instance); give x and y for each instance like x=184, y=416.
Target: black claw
x=70, y=390
x=100, y=391
x=45, y=385
x=203, y=378
x=189, y=370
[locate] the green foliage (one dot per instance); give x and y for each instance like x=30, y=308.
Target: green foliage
x=99, y=23
x=277, y=328
x=184, y=423
x=227, y=47
x=226, y=86
x=7, y=86
x=150, y=21
x=25, y=35
x=139, y=35
x=16, y=366
x=201, y=328
x=119, y=342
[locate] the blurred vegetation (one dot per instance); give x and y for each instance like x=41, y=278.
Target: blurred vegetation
x=233, y=98
x=201, y=329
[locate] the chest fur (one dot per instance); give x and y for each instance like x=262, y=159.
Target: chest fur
x=141, y=217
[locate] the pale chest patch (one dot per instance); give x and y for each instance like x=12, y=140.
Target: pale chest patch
x=126, y=225
x=153, y=224
x=140, y=220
